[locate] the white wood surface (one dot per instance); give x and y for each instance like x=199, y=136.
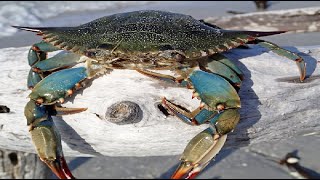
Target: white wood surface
x=272, y=109
x=293, y=20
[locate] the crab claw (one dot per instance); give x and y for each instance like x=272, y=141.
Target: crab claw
x=219, y=107
x=58, y=85
x=206, y=145
x=214, y=90
x=56, y=168
x=216, y=94
x=183, y=169
x=59, y=168
x=46, y=138
x=198, y=154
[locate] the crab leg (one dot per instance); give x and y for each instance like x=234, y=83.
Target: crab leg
x=198, y=114
x=163, y=77
x=196, y=117
x=214, y=91
x=222, y=66
x=46, y=138
x=223, y=59
x=40, y=109
x=219, y=108
x=182, y=113
x=37, y=58
x=38, y=52
x=33, y=79
x=206, y=145
x=58, y=85
x=283, y=52
x=57, y=62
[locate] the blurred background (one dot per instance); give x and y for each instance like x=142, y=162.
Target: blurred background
x=231, y=163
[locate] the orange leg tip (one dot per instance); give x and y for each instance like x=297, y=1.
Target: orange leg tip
x=35, y=48
x=78, y=86
x=61, y=100
x=66, y=168
x=69, y=92
x=192, y=175
x=182, y=171
x=56, y=168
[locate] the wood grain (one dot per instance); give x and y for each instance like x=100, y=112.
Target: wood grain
x=274, y=107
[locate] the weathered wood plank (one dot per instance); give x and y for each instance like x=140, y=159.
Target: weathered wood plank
x=273, y=107
x=21, y=165
x=295, y=20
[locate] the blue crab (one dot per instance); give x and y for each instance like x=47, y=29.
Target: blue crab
x=143, y=41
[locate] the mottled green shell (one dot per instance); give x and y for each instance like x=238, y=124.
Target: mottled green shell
x=144, y=31
x=153, y=30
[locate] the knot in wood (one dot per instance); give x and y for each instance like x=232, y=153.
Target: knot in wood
x=124, y=112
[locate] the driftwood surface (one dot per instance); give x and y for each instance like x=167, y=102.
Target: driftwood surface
x=275, y=106
x=293, y=20
x=22, y=165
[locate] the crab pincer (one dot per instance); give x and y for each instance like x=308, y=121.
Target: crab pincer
x=219, y=108
x=58, y=85
x=46, y=138
x=40, y=109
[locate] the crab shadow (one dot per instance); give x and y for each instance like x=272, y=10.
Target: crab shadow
x=68, y=135
x=249, y=111
x=73, y=140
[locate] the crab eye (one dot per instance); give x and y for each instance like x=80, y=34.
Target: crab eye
x=90, y=54
x=166, y=47
x=177, y=56
x=106, y=46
